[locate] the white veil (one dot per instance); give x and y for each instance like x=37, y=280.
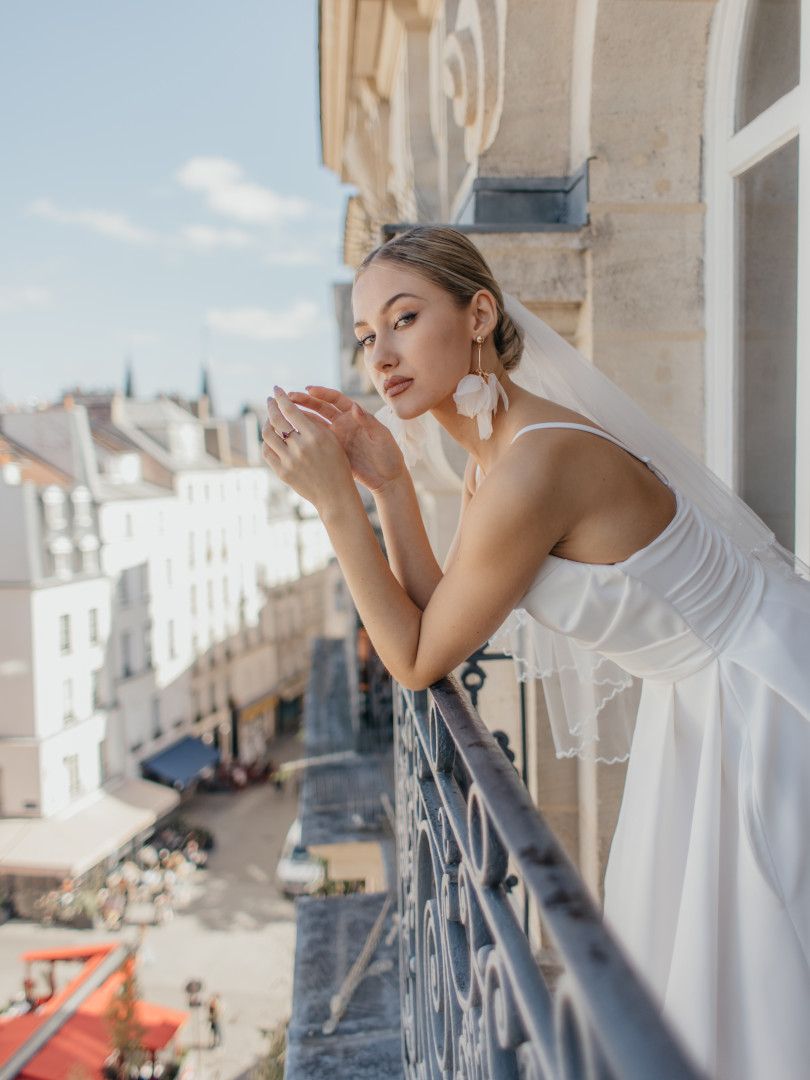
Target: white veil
x=591, y=708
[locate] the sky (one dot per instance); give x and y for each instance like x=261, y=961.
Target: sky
x=163, y=201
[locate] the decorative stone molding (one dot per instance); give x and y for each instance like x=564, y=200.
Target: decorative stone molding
x=473, y=71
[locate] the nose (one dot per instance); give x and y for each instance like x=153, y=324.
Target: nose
x=382, y=357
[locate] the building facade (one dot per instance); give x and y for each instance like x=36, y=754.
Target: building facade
x=159, y=588
x=631, y=170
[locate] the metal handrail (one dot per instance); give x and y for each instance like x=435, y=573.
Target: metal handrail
x=474, y=1000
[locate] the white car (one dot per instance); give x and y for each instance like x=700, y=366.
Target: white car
x=298, y=872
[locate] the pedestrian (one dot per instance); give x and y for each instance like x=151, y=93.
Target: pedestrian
x=214, y=1021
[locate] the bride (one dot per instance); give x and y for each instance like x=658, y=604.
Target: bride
x=624, y=566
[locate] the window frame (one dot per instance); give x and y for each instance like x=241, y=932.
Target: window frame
x=729, y=154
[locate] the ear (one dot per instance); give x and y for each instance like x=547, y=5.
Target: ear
x=484, y=313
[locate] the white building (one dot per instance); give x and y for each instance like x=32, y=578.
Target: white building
x=170, y=583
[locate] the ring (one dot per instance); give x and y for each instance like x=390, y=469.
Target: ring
x=286, y=434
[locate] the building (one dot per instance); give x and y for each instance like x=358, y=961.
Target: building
x=631, y=171
x=159, y=589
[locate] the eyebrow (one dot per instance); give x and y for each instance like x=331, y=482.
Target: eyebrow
x=389, y=303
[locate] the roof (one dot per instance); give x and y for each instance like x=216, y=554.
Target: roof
x=82, y=1037
x=32, y=468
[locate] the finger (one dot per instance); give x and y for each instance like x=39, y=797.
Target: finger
x=277, y=420
x=295, y=417
x=334, y=397
x=315, y=405
x=270, y=438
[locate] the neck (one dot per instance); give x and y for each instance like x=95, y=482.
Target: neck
x=464, y=429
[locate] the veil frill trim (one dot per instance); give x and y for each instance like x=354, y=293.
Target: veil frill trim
x=591, y=701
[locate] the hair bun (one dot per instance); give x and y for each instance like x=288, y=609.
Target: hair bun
x=508, y=342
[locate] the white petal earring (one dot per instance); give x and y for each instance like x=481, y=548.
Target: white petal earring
x=477, y=396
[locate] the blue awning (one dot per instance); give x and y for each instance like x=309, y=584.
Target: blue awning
x=182, y=763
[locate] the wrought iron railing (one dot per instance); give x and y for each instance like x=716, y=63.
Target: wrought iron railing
x=475, y=1003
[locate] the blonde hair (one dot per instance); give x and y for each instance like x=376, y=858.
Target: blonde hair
x=447, y=258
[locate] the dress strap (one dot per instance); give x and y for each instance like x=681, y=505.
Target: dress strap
x=602, y=435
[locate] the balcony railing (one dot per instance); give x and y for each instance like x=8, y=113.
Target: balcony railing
x=475, y=1002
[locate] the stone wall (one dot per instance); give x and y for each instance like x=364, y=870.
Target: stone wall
x=420, y=98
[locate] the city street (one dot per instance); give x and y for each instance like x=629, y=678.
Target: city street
x=236, y=934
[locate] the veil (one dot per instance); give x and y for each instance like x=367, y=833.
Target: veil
x=591, y=701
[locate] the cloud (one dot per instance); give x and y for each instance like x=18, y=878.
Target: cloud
x=226, y=191
x=115, y=226
x=260, y=324
x=15, y=299
x=205, y=238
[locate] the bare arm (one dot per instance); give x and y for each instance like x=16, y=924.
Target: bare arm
x=508, y=529
x=378, y=464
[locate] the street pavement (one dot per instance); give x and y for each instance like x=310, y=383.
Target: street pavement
x=236, y=934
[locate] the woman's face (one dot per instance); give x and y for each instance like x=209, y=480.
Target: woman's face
x=417, y=343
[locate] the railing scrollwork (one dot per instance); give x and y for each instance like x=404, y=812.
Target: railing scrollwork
x=475, y=1004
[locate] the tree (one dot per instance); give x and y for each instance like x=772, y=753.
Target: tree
x=126, y=1030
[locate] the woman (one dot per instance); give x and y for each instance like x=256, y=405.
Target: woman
x=708, y=884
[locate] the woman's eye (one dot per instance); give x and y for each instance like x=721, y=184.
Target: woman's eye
x=403, y=320
x=361, y=343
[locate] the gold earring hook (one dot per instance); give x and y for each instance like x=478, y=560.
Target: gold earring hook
x=479, y=342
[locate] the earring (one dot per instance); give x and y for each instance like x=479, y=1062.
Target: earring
x=477, y=396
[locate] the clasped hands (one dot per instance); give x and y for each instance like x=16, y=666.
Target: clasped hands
x=318, y=440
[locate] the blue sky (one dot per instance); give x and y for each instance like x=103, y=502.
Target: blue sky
x=162, y=197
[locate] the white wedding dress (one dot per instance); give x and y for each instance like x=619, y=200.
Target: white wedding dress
x=708, y=882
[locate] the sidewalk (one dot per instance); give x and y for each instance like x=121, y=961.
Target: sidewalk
x=237, y=934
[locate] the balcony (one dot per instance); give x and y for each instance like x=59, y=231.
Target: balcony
x=505, y=966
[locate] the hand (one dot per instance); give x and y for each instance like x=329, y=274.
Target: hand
x=374, y=456
x=304, y=452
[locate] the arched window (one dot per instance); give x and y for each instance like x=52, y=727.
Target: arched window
x=753, y=121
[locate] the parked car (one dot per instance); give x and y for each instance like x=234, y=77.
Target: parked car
x=298, y=872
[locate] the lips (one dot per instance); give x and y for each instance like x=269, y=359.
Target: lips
x=396, y=385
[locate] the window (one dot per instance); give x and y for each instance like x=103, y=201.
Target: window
x=209, y=589
x=144, y=580
x=191, y=550
x=192, y=600
x=156, y=728
x=207, y=493
x=147, y=646
x=224, y=544
x=209, y=550
x=123, y=589
x=74, y=784
x=64, y=634
x=90, y=561
x=103, y=762
x=128, y=525
x=92, y=622
x=126, y=655
x=67, y=700
x=212, y=698
x=225, y=592
x=169, y=572
x=757, y=385
x=95, y=689
x=170, y=635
